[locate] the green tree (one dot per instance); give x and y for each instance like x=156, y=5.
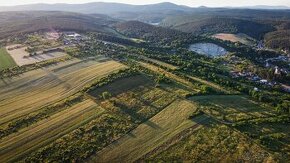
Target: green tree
x=106, y=95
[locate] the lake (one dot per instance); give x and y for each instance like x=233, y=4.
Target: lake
x=208, y=49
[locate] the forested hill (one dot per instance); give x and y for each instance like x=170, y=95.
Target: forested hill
x=136, y=29
x=15, y=23
x=214, y=25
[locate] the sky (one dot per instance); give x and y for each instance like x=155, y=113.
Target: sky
x=193, y=3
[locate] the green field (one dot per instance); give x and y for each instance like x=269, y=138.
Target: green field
x=6, y=61
x=232, y=108
x=217, y=143
x=151, y=134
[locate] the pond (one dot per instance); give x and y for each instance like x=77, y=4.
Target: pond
x=208, y=49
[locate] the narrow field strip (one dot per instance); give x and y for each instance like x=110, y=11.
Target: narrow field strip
x=167, y=65
x=46, y=131
x=213, y=85
x=149, y=135
x=169, y=75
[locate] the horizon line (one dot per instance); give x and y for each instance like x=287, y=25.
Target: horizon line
x=148, y=4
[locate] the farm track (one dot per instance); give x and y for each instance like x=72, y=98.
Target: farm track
x=48, y=87
x=33, y=137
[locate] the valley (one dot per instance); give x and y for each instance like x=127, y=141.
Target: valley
x=103, y=82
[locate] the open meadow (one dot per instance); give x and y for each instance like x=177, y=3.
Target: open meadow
x=6, y=61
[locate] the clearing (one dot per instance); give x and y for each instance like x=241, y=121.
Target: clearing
x=22, y=57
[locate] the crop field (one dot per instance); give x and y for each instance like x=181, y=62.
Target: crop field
x=46, y=131
x=151, y=134
x=215, y=143
x=27, y=93
x=232, y=108
x=94, y=123
x=242, y=38
x=6, y=61
x=21, y=56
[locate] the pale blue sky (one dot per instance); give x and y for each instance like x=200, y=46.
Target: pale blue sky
x=194, y=3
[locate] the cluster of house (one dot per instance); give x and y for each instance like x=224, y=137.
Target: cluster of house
x=70, y=38
x=253, y=77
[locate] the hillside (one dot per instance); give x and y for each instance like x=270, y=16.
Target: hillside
x=15, y=23
x=136, y=29
x=213, y=25
x=278, y=39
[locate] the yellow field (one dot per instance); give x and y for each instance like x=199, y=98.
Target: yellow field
x=150, y=134
x=25, y=94
x=242, y=38
x=38, y=135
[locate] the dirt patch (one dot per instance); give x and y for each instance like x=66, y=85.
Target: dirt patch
x=22, y=57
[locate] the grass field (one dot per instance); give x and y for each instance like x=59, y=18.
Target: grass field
x=6, y=61
x=121, y=85
x=217, y=143
x=25, y=94
x=46, y=131
x=232, y=108
x=150, y=134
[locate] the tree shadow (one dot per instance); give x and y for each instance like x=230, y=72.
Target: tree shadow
x=153, y=125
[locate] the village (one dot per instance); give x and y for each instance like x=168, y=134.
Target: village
x=269, y=64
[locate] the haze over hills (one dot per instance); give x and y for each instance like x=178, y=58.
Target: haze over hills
x=98, y=7
x=110, y=8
